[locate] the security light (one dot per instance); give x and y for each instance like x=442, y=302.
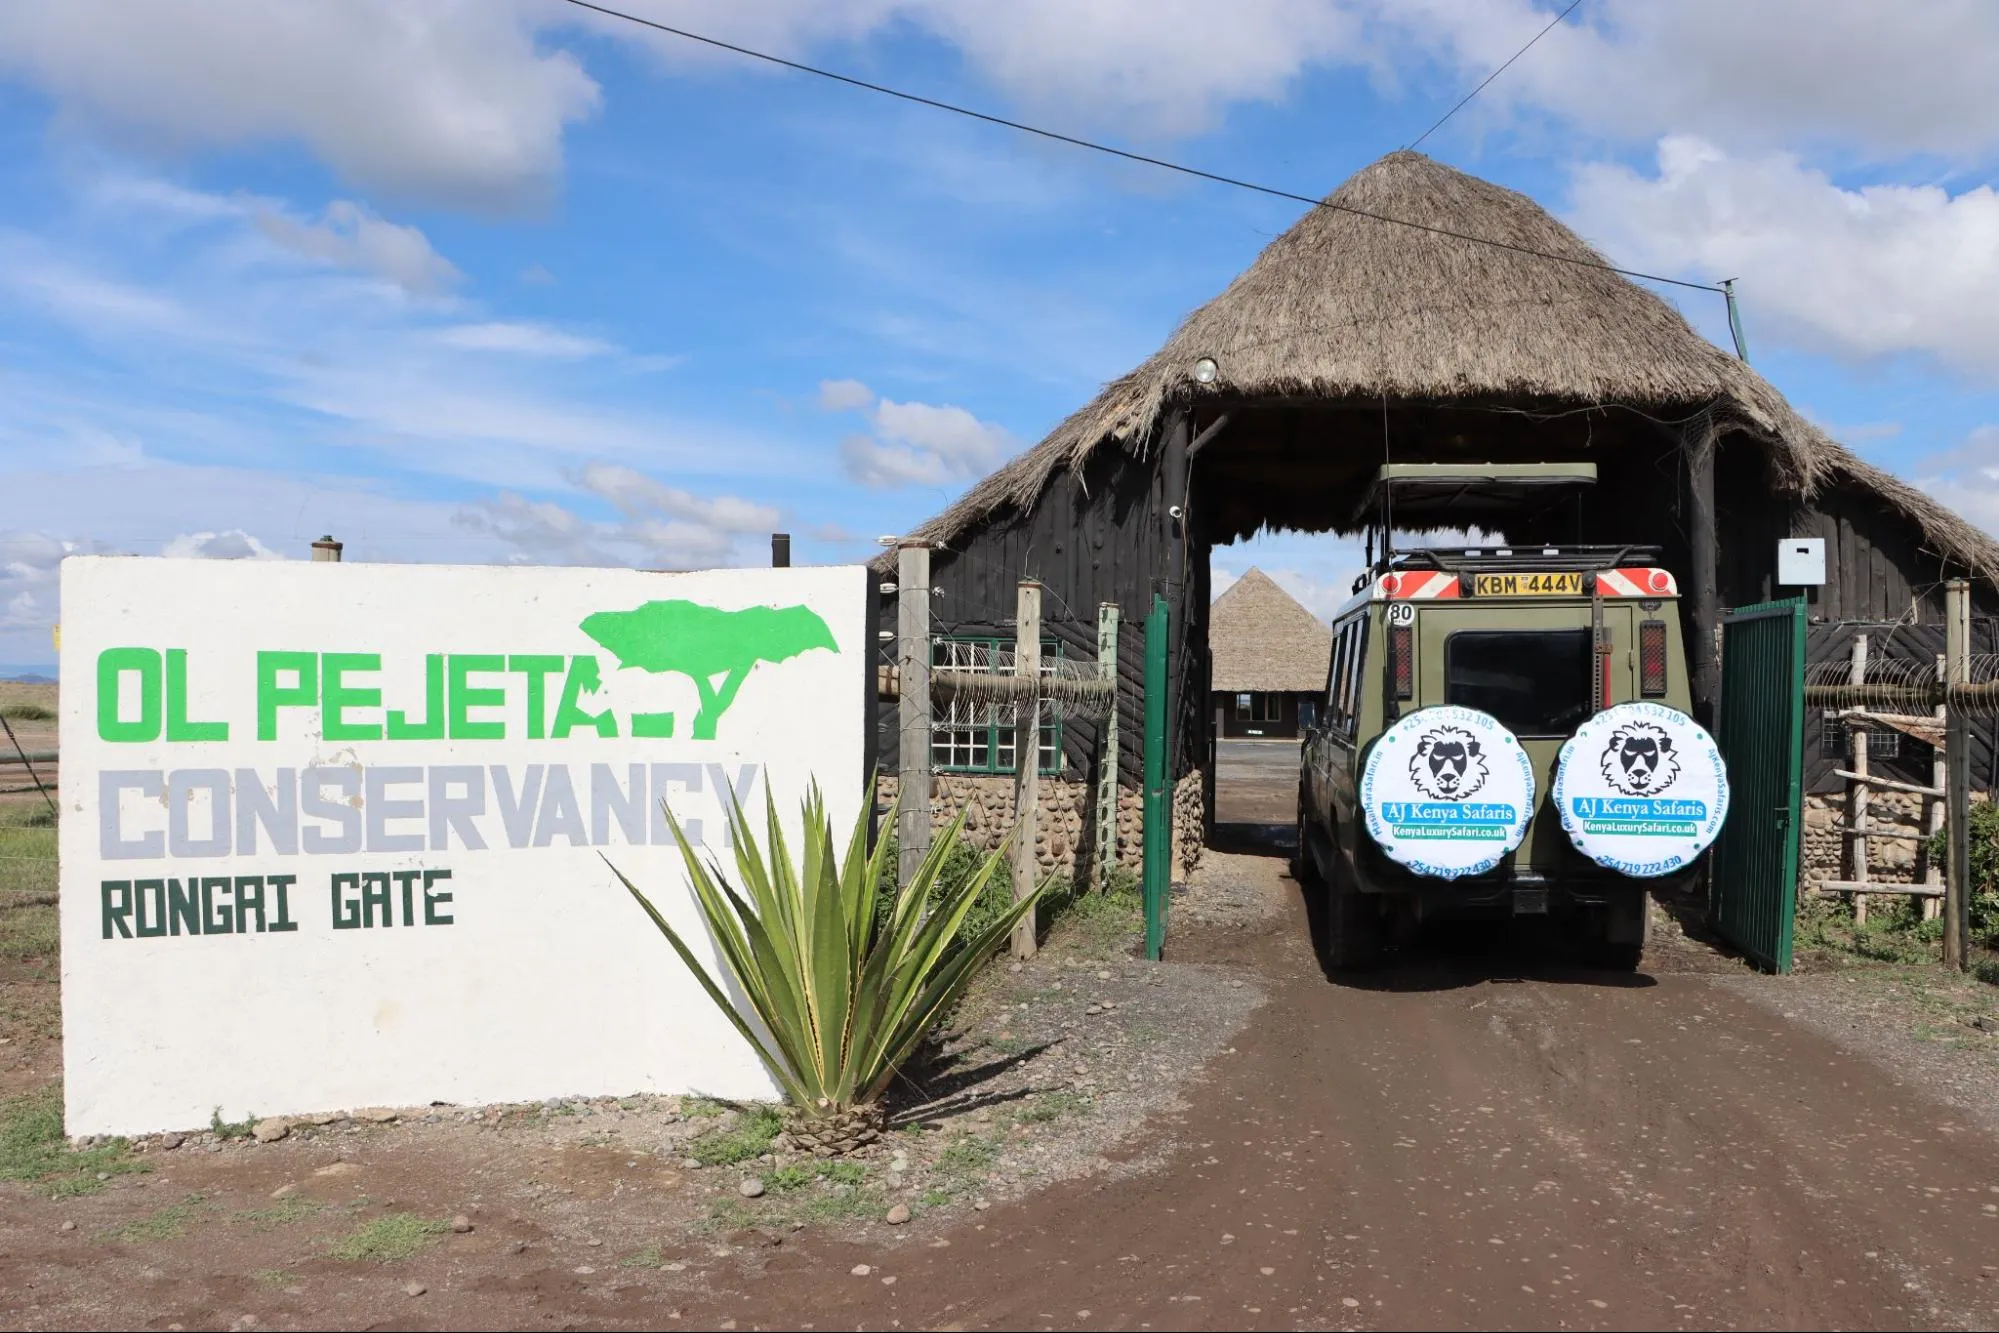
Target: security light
x=1205, y=370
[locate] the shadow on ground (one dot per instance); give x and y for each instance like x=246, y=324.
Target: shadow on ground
x=1444, y=955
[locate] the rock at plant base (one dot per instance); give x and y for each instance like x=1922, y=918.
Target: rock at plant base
x=830, y=1133
x=270, y=1131
x=67, y=1226
x=414, y=1289
x=461, y=1224
x=338, y=1169
x=284, y=1192
x=171, y=1141
x=690, y=1164
x=898, y=1215
x=751, y=1188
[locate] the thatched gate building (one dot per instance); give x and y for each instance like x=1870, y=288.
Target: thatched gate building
x=1352, y=339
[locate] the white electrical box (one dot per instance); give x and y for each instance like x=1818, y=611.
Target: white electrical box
x=1801, y=561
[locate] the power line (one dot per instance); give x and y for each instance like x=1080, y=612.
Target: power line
x=1496, y=73
x=1127, y=155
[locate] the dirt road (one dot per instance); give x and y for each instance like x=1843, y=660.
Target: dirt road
x=1476, y=1142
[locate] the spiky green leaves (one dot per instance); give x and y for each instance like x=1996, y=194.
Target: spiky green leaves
x=833, y=1004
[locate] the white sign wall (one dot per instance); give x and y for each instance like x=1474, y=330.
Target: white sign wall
x=335, y=835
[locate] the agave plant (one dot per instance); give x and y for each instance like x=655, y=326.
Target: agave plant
x=834, y=1002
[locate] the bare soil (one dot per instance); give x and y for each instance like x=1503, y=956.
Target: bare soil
x=1482, y=1134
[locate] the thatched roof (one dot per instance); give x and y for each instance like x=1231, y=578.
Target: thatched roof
x=1344, y=307
x=1263, y=640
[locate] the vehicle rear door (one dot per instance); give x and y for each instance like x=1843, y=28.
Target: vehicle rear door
x=1533, y=666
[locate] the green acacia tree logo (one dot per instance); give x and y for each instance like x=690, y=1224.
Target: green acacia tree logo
x=715, y=649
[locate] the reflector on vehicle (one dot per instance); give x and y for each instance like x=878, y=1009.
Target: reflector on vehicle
x=1652, y=658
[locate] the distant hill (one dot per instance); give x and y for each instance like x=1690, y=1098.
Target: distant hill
x=43, y=673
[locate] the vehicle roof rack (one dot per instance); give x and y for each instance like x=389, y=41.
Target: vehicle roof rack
x=1459, y=559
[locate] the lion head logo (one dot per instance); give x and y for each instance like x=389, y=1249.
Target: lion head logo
x=1449, y=764
x=1640, y=759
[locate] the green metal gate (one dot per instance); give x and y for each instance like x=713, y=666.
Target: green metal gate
x=1753, y=879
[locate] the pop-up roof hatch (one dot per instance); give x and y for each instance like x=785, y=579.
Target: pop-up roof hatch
x=1471, y=495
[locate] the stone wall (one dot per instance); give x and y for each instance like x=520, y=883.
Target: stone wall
x=1066, y=826
x=1894, y=860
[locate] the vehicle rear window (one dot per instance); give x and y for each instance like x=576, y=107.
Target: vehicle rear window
x=1536, y=682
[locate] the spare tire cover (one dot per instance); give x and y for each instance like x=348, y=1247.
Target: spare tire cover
x=1641, y=789
x=1447, y=792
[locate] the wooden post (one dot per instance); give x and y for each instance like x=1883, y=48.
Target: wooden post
x=1703, y=539
x=912, y=622
x=1857, y=792
x=1158, y=813
x=1957, y=765
x=1026, y=759
x=1933, y=812
x=1107, y=763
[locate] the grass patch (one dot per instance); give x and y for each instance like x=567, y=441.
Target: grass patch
x=1056, y=1105
x=702, y=1108
x=788, y=1179
x=162, y=1224
x=230, y=1129
x=649, y=1257
x=285, y=1212
x=28, y=931
x=23, y=710
x=967, y=1155
x=270, y=1277
x=748, y=1138
x=27, y=885
x=390, y=1238
x=33, y=1149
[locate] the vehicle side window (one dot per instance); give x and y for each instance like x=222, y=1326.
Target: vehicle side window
x=1342, y=705
x=1337, y=664
x=1355, y=672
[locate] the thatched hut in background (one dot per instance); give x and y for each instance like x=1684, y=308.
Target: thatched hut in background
x=1269, y=660
x=1352, y=339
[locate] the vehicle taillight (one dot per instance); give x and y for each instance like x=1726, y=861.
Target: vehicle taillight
x=1401, y=647
x=1652, y=658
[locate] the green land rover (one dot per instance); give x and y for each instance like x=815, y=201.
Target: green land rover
x=1504, y=731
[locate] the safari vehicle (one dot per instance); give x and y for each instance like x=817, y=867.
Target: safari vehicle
x=1541, y=638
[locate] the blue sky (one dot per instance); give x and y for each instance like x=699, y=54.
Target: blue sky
x=504, y=281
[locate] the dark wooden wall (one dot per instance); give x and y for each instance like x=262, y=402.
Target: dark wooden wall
x=1094, y=539
x=1102, y=537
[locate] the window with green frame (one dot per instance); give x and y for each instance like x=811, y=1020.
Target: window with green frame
x=979, y=738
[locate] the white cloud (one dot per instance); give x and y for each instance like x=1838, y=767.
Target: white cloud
x=844, y=395
x=1967, y=478
x=522, y=338
x=1154, y=68
x=913, y=444
x=659, y=526
x=450, y=100
x=1882, y=80
x=467, y=101
x=233, y=544
x=636, y=495
x=1864, y=272
x=346, y=359
x=351, y=236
